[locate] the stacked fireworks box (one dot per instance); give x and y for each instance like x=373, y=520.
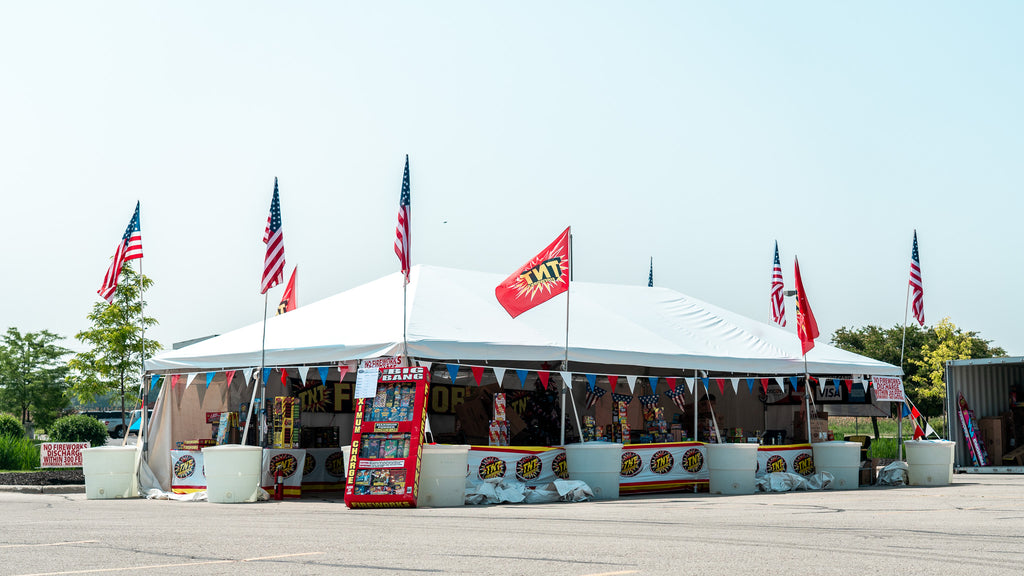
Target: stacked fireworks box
x=620, y=422
x=287, y=422
x=393, y=403
x=589, y=432
x=498, y=428
x=655, y=426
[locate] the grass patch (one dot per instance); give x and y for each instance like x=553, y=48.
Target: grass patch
x=885, y=446
x=18, y=454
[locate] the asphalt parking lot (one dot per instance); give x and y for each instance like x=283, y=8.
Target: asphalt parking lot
x=975, y=526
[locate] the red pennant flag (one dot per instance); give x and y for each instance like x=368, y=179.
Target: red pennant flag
x=174, y=380
x=764, y=385
x=849, y=385
x=284, y=377
x=806, y=326
x=544, y=377
x=721, y=385
x=914, y=412
x=613, y=381
x=229, y=375
x=342, y=369
x=918, y=433
x=545, y=276
x=671, y=383
x=478, y=373
x=288, y=300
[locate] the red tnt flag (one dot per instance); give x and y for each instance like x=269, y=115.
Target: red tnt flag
x=806, y=327
x=545, y=276
x=288, y=300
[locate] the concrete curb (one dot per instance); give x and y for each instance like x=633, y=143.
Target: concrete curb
x=54, y=489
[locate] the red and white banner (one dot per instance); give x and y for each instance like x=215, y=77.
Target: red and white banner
x=533, y=466
x=61, y=454
x=187, y=472
x=792, y=458
x=662, y=467
x=324, y=470
x=888, y=388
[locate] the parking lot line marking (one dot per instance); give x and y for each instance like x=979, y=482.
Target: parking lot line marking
x=49, y=544
x=613, y=573
x=179, y=565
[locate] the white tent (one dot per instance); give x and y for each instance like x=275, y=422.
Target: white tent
x=454, y=315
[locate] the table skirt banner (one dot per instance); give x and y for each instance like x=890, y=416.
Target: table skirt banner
x=324, y=470
x=187, y=473
x=531, y=465
x=290, y=463
x=793, y=458
x=648, y=468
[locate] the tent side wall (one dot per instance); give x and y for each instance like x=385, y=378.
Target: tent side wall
x=986, y=386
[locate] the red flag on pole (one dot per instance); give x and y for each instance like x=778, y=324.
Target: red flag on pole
x=288, y=300
x=806, y=326
x=545, y=276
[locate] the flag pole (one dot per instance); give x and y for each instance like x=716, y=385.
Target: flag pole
x=807, y=399
x=566, y=386
x=142, y=351
x=903, y=344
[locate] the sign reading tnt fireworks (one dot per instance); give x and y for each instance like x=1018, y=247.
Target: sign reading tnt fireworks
x=61, y=454
x=888, y=388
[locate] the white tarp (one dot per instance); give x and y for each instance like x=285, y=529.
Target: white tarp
x=453, y=314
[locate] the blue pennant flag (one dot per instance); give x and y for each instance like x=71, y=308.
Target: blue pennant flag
x=209, y=378
x=750, y=385
x=323, y=373
x=704, y=379
x=793, y=382
x=839, y=390
x=453, y=372
x=266, y=375
x=654, y=384
x=522, y=377
x=153, y=380
x=591, y=381
x=906, y=411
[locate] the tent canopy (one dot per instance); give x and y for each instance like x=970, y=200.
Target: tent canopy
x=454, y=315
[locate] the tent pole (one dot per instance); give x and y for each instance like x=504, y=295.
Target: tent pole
x=807, y=400
x=899, y=421
x=696, y=393
x=259, y=379
x=262, y=414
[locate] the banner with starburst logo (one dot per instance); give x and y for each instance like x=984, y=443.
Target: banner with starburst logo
x=545, y=276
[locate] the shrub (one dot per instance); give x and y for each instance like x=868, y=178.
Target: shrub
x=11, y=426
x=79, y=428
x=18, y=453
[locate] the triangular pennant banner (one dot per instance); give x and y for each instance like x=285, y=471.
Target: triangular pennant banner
x=322, y=370
x=566, y=378
x=654, y=384
x=303, y=371
x=189, y=378
x=174, y=380
x=499, y=373
x=928, y=430
x=613, y=381
x=793, y=382
x=918, y=433
x=781, y=382
x=721, y=385
x=247, y=372
x=478, y=373
x=849, y=385
x=591, y=381
x=544, y=375
x=750, y=385
x=704, y=380
x=153, y=380
x=906, y=411
x=671, y=383
x=209, y=378
x=342, y=370
x=864, y=384
x=631, y=381
x=522, y=377
x=914, y=413
x=453, y=372
x=822, y=383
x=426, y=364
x=764, y=385
x=689, y=384
x=229, y=376
x=284, y=377
x=735, y=385
x=840, y=390
x=266, y=376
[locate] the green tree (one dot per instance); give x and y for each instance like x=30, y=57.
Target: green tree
x=32, y=372
x=928, y=383
x=113, y=364
x=927, y=350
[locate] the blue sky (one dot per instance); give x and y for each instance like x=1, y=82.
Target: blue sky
x=694, y=133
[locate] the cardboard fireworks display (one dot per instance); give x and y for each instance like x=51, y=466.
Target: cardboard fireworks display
x=387, y=434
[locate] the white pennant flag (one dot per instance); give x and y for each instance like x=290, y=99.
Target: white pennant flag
x=631, y=380
x=302, y=374
x=735, y=385
x=928, y=431
x=426, y=365
x=188, y=379
x=499, y=373
x=689, y=383
x=864, y=384
x=567, y=378
x=781, y=382
x=822, y=382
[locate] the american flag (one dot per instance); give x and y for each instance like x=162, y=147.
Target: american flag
x=594, y=393
x=402, y=237
x=778, y=304
x=677, y=397
x=627, y=398
x=273, y=237
x=649, y=400
x=129, y=248
x=915, y=282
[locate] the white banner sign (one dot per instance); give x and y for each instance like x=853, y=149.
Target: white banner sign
x=794, y=458
x=662, y=467
x=888, y=388
x=389, y=362
x=532, y=466
x=61, y=454
x=290, y=463
x=187, y=472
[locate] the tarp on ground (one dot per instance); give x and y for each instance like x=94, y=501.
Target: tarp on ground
x=453, y=314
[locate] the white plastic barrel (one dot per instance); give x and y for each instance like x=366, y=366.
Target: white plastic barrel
x=443, y=475
x=233, y=473
x=599, y=464
x=929, y=462
x=732, y=468
x=110, y=472
x=841, y=459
